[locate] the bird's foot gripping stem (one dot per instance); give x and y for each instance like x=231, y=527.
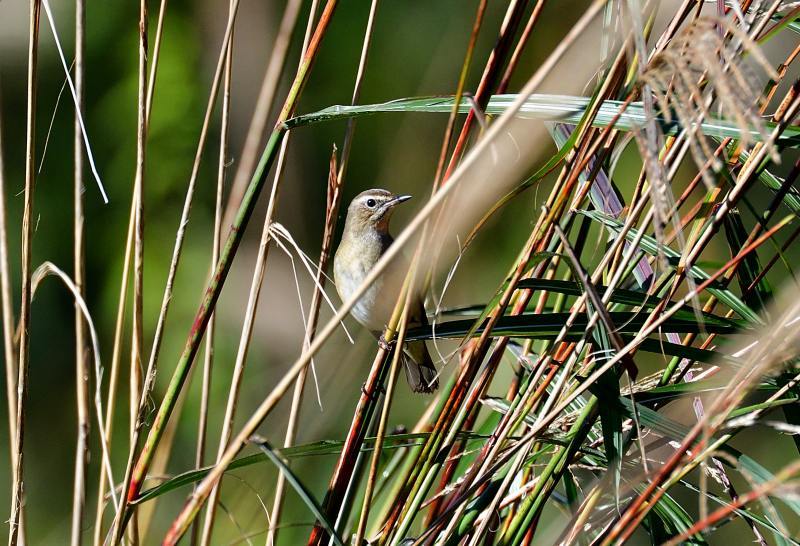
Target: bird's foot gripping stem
x=386, y=345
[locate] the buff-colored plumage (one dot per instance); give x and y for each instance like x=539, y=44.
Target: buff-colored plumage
x=364, y=240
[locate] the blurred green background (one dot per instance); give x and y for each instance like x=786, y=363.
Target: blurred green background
x=418, y=49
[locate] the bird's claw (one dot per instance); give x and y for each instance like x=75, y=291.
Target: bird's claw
x=385, y=345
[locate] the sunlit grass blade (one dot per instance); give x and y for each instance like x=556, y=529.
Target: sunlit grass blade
x=563, y=108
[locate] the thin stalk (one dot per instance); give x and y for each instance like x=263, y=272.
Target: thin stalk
x=334, y=198
x=223, y=266
x=779, y=255
x=151, y=80
x=8, y=318
x=25, y=303
x=346, y=474
x=261, y=114
x=209, y=351
x=123, y=293
x=143, y=393
x=387, y=404
x=185, y=212
x=520, y=47
x=137, y=333
x=252, y=306
x=508, y=30
x=362, y=66
x=221, y=171
x=331, y=216
x=462, y=79
x=81, y=347
x=114, y=374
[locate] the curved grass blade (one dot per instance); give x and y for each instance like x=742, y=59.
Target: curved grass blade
x=322, y=447
x=298, y=486
x=563, y=108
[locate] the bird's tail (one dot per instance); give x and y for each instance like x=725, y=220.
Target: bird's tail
x=420, y=371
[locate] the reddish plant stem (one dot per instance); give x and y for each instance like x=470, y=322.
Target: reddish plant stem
x=448, y=134
x=488, y=79
x=352, y=444
x=523, y=41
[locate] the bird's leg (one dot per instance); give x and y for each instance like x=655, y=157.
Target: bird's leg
x=372, y=395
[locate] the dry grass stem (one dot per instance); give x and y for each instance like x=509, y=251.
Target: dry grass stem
x=25, y=258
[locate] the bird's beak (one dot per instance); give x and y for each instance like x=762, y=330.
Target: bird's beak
x=397, y=200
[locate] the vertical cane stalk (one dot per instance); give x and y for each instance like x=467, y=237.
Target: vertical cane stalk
x=81, y=347
x=25, y=303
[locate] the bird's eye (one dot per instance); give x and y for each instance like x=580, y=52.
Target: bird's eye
x=370, y=203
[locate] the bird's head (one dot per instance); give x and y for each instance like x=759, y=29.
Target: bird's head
x=372, y=209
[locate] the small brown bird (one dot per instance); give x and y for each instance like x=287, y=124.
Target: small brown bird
x=364, y=240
